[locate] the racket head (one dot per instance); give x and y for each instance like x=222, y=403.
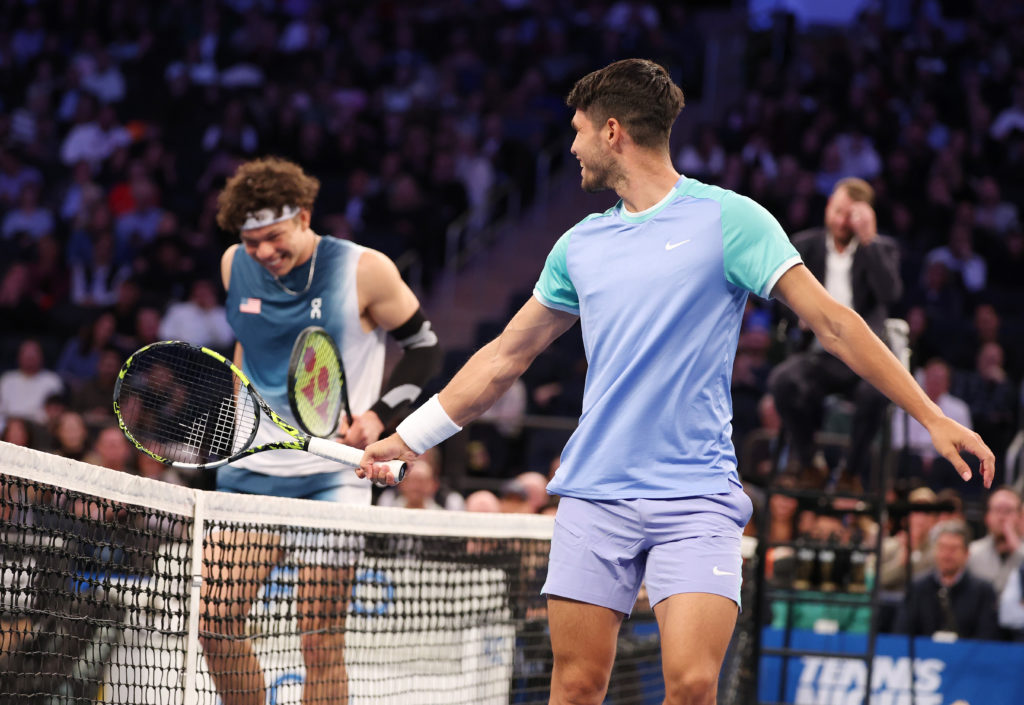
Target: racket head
x=316, y=383
x=185, y=405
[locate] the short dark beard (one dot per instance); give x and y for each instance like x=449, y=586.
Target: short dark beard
x=603, y=177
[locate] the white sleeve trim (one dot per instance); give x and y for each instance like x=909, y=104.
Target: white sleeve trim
x=551, y=304
x=793, y=261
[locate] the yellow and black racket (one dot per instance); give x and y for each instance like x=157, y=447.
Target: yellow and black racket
x=317, y=392
x=190, y=407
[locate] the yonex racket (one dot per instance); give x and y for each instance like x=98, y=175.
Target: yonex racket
x=317, y=392
x=190, y=407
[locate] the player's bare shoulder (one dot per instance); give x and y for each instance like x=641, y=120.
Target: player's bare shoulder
x=225, y=264
x=385, y=299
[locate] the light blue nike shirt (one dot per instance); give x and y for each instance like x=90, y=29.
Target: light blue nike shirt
x=660, y=295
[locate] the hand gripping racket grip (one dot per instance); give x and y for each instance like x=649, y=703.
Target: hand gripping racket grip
x=349, y=455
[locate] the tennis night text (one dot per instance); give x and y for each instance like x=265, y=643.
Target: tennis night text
x=831, y=681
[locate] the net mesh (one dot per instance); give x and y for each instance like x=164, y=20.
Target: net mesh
x=120, y=589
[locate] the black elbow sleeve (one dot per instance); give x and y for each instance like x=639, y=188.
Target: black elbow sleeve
x=420, y=362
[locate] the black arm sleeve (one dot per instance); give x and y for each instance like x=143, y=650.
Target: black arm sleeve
x=420, y=362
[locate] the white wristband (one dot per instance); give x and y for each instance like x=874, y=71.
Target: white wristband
x=427, y=426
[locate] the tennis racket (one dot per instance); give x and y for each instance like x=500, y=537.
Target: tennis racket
x=317, y=392
x=190, y=407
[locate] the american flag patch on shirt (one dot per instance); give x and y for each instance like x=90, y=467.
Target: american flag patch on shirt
x=250, y=305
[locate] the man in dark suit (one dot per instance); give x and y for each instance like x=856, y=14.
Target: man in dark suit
x=859, y=268
x=950, y=599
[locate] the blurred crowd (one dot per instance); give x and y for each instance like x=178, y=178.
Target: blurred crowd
x=119, y=121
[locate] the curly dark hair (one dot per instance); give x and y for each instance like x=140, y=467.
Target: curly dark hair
x=270, y=182
x=638, y=93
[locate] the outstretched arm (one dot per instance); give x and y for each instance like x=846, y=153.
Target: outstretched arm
x=484, y=378
x=844, y=334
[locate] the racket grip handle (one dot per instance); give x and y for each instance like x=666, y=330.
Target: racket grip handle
x=349, y=456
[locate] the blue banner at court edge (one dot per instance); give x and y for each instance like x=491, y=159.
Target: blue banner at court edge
x=964, y=672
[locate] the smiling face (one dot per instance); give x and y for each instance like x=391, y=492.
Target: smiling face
x=281, y=247
x=598, y=168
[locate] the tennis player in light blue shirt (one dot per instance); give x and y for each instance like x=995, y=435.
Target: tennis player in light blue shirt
x=648, y=483
x=661, y=294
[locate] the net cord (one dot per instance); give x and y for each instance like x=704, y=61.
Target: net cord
x=224, y=507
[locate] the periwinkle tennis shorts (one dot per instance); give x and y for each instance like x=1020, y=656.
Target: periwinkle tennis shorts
x=602, y=551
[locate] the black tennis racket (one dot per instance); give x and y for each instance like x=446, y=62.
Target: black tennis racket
x=190, y=407
x=317, y=391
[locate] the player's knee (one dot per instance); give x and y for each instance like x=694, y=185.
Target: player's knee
x=578, y=687
x=691, y=686
x=323, y=650
x=219, y=625
x=214, y=643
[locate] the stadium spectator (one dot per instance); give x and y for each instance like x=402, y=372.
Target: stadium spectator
x=24, y=390
x=859, y=268
x=70, y=436
x=1011, y=605
x=921, y=460
x=960, y=258
x=96, y=281
x=418, y=488
x=702, y=158
x=92, y=397
x=441, y=496
x=15, y=175
x=536, y=489
x=916, y=538
x=1011, y=118
x=1000, y=552
x=30, y=220
x=80, y=356
x=993, y=213
x=139, y=225
x=200, y=319
x=514, y=497
x=986, y=326
x=95, y=136
x=950, y=599
x=483, y=501
x=112, y=450
x=990, y=395
x=18, y=431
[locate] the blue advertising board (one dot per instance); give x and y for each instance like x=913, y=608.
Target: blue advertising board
x=974, y=672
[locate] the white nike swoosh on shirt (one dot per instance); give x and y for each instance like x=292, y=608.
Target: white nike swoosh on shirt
x=717, y=571
x=674, y=245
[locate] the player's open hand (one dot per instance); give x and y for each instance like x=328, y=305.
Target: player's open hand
x=390, y=448
x=950, y=439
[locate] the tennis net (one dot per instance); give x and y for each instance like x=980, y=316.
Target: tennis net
x=120, y=589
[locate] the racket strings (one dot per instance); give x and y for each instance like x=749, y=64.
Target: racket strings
x=318, y=380
x=183, y=405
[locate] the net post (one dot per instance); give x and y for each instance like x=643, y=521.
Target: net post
x=191, y=695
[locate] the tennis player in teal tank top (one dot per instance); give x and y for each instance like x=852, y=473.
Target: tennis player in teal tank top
x=648, y=483
x=282, y=278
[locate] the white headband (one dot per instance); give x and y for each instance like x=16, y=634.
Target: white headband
x=266, y=216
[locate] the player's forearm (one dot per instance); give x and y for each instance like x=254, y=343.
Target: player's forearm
x=481, y=381
x=848, y=337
